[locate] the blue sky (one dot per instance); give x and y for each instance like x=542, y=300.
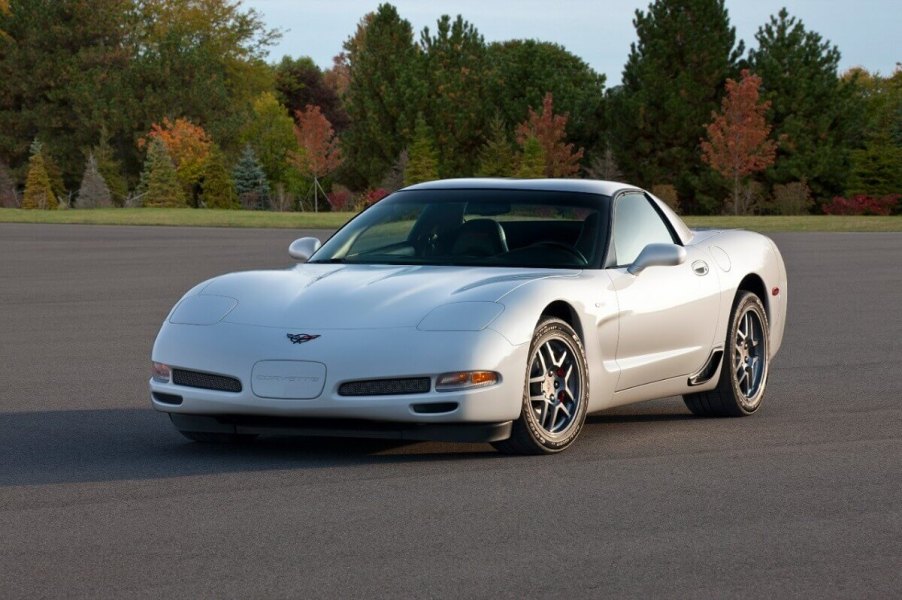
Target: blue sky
x=599, y=31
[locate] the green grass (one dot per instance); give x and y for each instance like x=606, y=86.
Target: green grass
x=325, y=220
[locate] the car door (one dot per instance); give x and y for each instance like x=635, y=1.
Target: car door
x=667, y=315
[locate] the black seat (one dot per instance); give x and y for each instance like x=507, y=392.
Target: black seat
x=479, y=237
x=588, y=237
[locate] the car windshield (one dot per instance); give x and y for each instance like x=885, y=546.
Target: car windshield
x=500, y=228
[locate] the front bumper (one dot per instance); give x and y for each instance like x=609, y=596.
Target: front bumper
x=348, y=355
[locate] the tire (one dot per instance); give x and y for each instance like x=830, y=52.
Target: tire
x=743, y=372
x=218, y=438
x=555, y=393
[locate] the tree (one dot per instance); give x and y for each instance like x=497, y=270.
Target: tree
x=383, y=95
x=93, y=192
x=110, y=169
x=738, y=142
x=319, y=153
x=496, y=157
x=218, y=187
x=876, y=164
x=188, y=145
x=160, y=185
x=422, y=164
x=523, y=71
x=271, y=134
x=672, y=81
x=455, y=71
x=549, y=129
x=532, y=159
x=250, y=181
x=8, y=196
x=38, y=191
x=300, y=82
x=812, y=112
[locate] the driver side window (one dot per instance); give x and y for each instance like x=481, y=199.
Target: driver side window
x=636, y=224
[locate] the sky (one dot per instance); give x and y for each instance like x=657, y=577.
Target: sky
x=598, y=31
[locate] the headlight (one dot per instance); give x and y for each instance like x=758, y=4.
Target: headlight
x=161, y=373
x=462, y=380
x=202, y=310
x=461, y=316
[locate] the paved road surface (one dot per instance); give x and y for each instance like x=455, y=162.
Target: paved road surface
x=99, y=497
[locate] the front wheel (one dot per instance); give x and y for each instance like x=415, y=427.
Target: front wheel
x=743, y=373
x=555, y=393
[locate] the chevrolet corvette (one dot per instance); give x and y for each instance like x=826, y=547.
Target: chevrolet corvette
x=482, y=310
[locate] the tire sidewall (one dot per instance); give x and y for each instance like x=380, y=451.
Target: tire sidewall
x=747, y=302
x=550, y=329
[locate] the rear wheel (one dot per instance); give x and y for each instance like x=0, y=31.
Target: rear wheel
x=743, y=373
x=555, y=393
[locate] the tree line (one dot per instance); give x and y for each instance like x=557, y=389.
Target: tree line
x=172, y=103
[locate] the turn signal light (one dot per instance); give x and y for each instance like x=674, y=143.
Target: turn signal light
x=465, y=379
x=161, y=373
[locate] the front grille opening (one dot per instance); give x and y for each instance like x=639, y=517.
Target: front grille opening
x=386, y=387
x=162, y=398
x=206, y=381
x=434, y=408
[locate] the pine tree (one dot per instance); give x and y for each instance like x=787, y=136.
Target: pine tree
x=496, y=157
x=160, y=185
x=422, y=164
x=8, y=197
x=218, y=187
x=94, y=192
x=673, y=80
x=38, y=190
x=250, y=181
x=532, y=159
x=110, y=169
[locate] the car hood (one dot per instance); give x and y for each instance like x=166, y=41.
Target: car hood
x=322, y=296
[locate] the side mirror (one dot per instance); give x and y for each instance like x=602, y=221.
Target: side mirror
x=658, y=255
x=303, y=248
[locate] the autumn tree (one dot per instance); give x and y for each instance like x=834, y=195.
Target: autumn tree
x=160, y=186
x=672, y=81
x=383, y=95
x=738, y=142
x=38, y=191
x=549, y=129
x=422, y=163
x=251, y=184
x=531, y=163
x=188, y=145
x=299, y=82
x=218, y=188
x=496, y=157
x=318, y=152
x=813, y=112
x=93, y=192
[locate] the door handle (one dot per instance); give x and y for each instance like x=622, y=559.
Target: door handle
x=700, y=267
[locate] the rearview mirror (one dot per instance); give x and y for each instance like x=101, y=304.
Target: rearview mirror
x=303, y=248
x=658, y=255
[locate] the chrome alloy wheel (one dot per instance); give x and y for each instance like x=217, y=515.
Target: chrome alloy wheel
x=556, y=384
x=749, y=358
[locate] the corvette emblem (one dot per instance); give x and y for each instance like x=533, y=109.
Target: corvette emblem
x=300, y=338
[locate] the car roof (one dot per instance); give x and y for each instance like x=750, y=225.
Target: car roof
x=589, y=186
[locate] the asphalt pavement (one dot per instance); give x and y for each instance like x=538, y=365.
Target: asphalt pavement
x=101, y=498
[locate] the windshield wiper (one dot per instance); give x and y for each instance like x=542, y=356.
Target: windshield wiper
x=328, y=261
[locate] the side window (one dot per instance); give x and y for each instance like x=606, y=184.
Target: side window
x=636, y=224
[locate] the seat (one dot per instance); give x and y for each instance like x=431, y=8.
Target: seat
x=588, y=236
x=479, y=237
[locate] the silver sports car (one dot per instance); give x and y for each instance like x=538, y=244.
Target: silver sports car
x=484, y=310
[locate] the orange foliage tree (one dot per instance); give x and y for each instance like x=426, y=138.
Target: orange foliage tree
x=188, y=146
x=739, y=141
x=548, y=128
x=318, y=152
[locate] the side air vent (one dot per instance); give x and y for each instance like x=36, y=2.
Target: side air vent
x=386, y=387
x=206, y=381
x=162, y=398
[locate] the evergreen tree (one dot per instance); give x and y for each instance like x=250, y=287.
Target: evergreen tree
x=8, y=197
x=496, y=157
x=877, y=162
x=250, y=181
x=382, y=97
x=218, y=187
x=672, y=82
x=532, y=159
x=110, y=168
x=38, y=190
x=93, y=192
x=812, y=111
x=422, y=163
x=160, y=185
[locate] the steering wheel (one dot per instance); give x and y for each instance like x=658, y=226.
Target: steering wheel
x=566, y=248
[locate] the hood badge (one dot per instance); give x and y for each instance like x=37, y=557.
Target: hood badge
x=300, y=338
